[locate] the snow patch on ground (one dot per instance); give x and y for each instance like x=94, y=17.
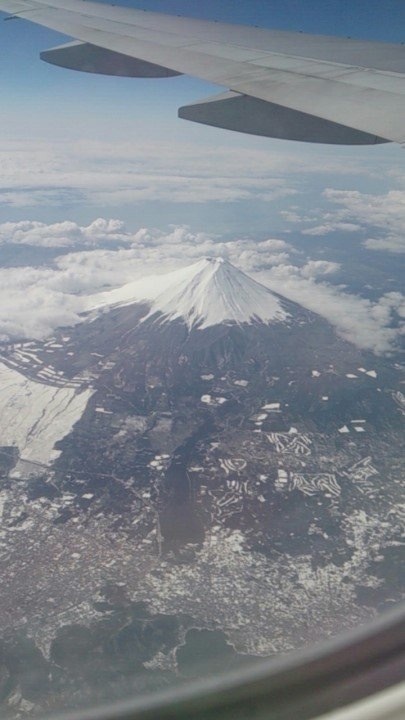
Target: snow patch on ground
x=35, y=416
x=3, y=500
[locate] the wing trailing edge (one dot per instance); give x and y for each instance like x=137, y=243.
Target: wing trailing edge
x=90, y=58
x=242, y=113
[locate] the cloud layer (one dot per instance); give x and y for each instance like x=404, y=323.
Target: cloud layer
x=381, y=216
x=52, y=172
x=113, y=174
x=64, y=234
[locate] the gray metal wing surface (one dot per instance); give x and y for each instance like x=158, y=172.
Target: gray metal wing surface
x=282, y=84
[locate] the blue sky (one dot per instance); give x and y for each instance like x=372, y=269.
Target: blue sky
x=359, y=18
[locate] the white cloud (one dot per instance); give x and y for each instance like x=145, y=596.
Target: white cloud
x=317, y=268
x=359, y=320
x=391, y=243
x=291, y=216
x=382, y=216
x=113, y=174
x=331, y=227
x=63, y=234
x=29, y=307
x=116, y=172
x=385, y=213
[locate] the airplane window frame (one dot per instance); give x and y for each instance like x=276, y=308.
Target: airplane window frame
x=298, y=686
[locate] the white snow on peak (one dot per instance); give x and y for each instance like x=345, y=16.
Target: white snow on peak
x=210, y=292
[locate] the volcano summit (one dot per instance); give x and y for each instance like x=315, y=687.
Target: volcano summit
x=209, y=292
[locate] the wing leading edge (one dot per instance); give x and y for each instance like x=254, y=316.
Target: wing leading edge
x=286, y=85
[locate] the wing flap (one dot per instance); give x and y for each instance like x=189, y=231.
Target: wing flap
x=242, y=113
x=93, y=59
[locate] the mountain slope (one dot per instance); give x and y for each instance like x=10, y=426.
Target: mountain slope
x=235, y=463
x=208, y=293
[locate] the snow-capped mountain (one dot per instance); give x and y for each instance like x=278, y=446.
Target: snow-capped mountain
x=165, y=333
x=210, y=292
x=195, y=430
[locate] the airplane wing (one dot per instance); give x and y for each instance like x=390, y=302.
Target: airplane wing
x=279, y=84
